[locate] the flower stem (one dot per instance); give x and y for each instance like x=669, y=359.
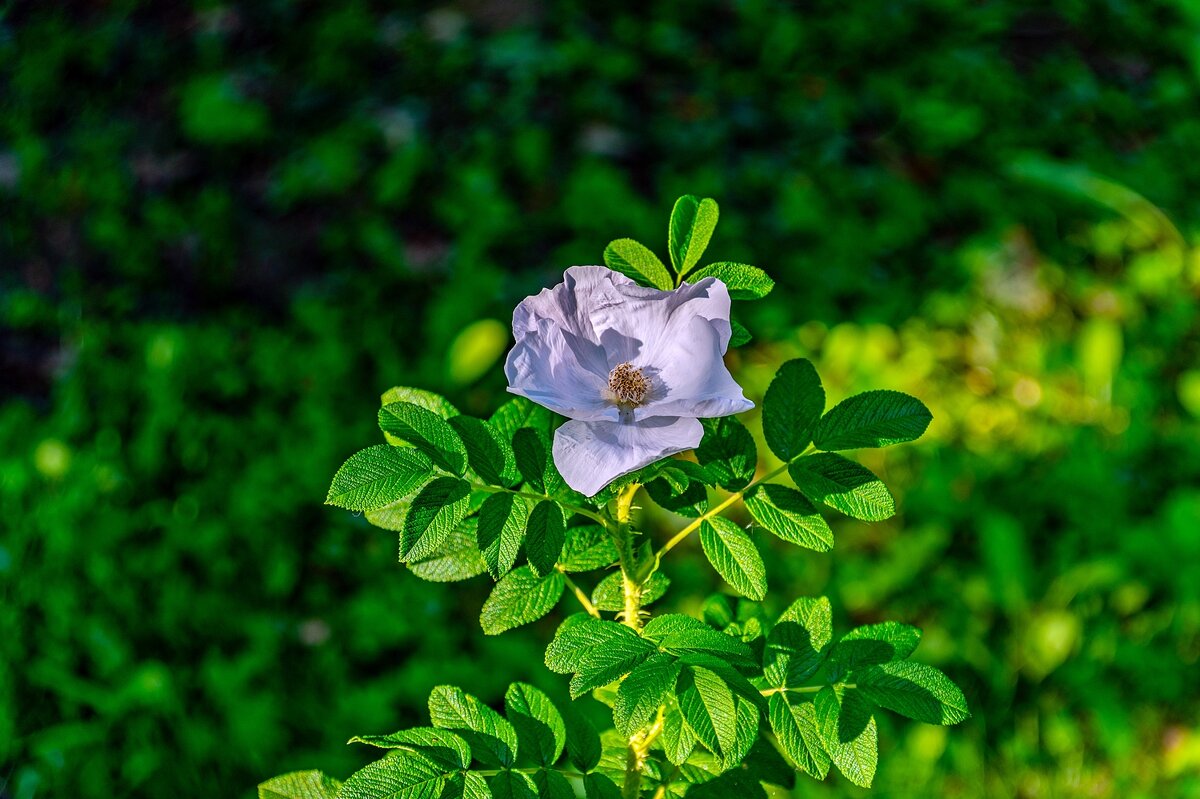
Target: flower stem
x=729, y=500
x=631, y=586
x=580, y=595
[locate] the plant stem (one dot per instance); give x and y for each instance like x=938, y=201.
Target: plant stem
x=807, y=689
x=582, y=597
x=631, y=586
x=729, y=500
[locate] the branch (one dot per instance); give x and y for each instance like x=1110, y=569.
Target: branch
x=582, y=597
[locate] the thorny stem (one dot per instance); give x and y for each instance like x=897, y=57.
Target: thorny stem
x=579, y=594
x=632, y=588
x=729, y=500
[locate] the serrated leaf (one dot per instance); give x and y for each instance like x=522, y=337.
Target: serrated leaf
x=405, y=775
x=466, y=785
x=435, y=511
x=552, y=785
x=502, y=519
x=588, y=547
x=707, y=705
x=692, y=225
x=687, y=498
x=520, y=597
x=541, y=732
x=299, y=785
x=434, y=403
x=492, y=739
x=739, y=336
x=489, y=453
x=378, y=476
x=512, y=785
x=848, y=733
x=457, y=558
x=677, y=737
x=545, y=533
x=598, y=786
x=520, y=412
x=674, y=632
x=426, y=431
x=638, y=263
x=914, y=690
x=531, y=448
x=744, y=282
x=734, y=556
x=598, y=652
x=727, y=453
x=642, y=691
x=872, y=419
x=746, y=725
x=792, y=408
x=873, y=644
x=798, y=643
x=446, y=749
x=786, y=513
x=844, y=485
x=609, y=593
x=795, y=725
x=583, y=742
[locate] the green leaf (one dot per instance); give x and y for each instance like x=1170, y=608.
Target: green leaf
x=744, y=282
x=674, y=632
x=798, y=643
x=848, y=733
x=466, y=785
x=734, y=556
x=727, y=453
x=746, y=722
x=531, y=449
x=552, y=785
x=520, y=412
x=511, y=785
x=914, y=690
x=609, y=593
x=436, y=510
x=844, y=485
x=426, y=431
x=792, y=408
x=404, y=775
x=541, y=732
x=708, y=708
x=692, y=225
x=446, y=749
x=642, y=691
x=378, y=476
x=786, y=513
x=795, y=725
x=501, y=530
x=519, y=598
x=583, y=742
x=598, y=786
x=457, y=558
x=677, y=737
x=488, y=452
x=598, y=652
x=685, y=497
x=434, y=403
x=735, y=782
x=875, y=643
x=299, y=785
x=638, y=263
x=740, y=336
x=545, y=533
x=767, y=764
x=588, y=547
x=872, y=419
x=491, y=738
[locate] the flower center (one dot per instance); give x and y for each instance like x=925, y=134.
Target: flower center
x=628, y=384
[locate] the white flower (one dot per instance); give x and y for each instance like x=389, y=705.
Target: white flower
x=633, y=368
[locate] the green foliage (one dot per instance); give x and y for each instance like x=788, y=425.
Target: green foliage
x=520, y=597
x=425, y=430
x=872, y=419
x=844, y=485
x=637, y=262
x=692, y=225
x=744, y=282
x=786, y=513
x=792, y=407
x=299, y=785
x=376, y=477
x=734, y=556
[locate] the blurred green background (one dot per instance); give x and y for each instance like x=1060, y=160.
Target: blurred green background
x=225, y=229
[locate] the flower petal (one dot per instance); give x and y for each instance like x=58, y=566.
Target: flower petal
x=564, y=372
x=590, y=455
x=635, y=323
x=690, y=378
